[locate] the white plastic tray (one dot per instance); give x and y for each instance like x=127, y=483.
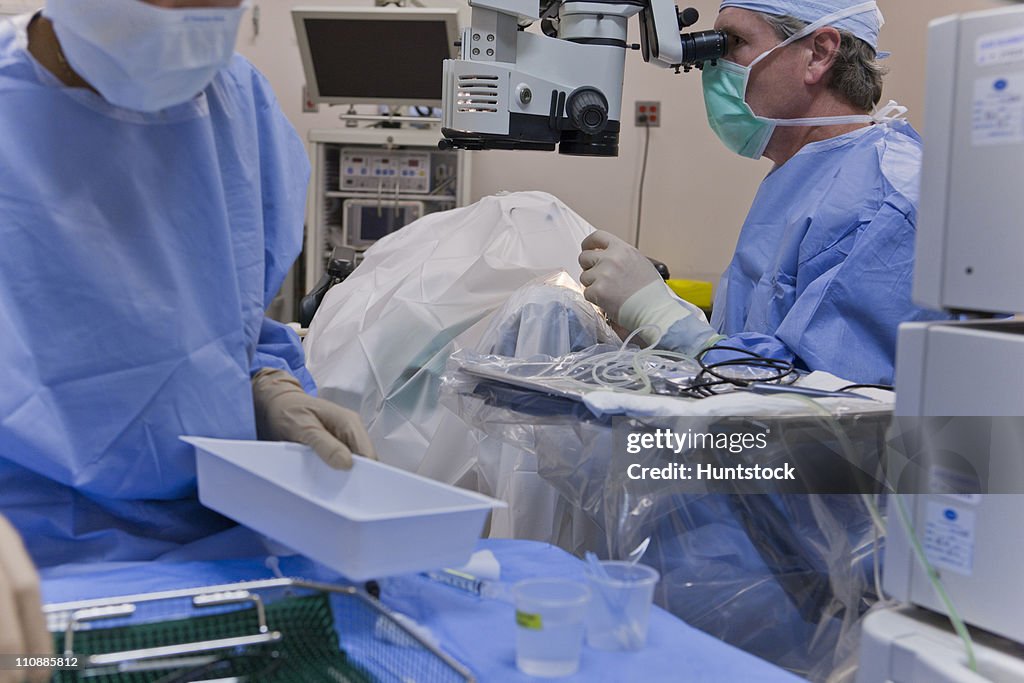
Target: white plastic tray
x=368, y=522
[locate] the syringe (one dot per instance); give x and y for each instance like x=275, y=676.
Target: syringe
x=468, y=583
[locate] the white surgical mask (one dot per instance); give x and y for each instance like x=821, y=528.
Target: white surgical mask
x=746, y=133
x=143, y=57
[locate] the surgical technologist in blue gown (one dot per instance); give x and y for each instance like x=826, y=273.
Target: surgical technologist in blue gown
x=822, y=271
x=151, y=203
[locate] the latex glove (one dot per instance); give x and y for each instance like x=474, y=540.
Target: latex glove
x=613, y=271
x=655, y=310
x=285, y=412
x=22, y=625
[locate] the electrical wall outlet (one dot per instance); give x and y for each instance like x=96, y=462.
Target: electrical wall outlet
x=648, y=114
x=308, y=106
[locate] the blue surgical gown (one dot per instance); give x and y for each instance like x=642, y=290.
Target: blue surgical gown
x=823, y=268
x=138, y=253
x=822, y=277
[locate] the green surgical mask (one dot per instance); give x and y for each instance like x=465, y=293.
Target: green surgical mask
x=732, y=119
x=735, y=123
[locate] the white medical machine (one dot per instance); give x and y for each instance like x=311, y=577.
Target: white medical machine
x=969, y=259
x=378, y=172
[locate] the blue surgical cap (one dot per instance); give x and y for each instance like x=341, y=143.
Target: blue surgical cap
x=864, y=25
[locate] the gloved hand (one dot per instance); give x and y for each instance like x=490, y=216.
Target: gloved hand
x=285, y=412
x=613, y=271
x=22, y=626
x=671, y=323
x=625, y=283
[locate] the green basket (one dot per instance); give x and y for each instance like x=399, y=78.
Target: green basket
x=307, y=651
x=271, y=630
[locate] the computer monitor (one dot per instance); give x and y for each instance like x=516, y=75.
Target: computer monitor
x=368, y=220
x=378, y=55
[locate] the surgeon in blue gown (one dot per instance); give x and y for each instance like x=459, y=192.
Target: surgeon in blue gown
x=822, y=272
x=151, y=203
x=821, y=277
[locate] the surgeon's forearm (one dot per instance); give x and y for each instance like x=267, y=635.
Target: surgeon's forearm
x=656, y=312
x=690, y=336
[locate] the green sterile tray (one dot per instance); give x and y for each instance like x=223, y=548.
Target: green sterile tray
x=269, y=631
x=307, y=651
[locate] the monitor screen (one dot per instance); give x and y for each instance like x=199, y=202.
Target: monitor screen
x=377, y=223
x=361, y=57
x=368, y=221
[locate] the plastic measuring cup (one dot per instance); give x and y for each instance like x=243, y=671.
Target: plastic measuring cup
x=550, y=616
x=621, y=605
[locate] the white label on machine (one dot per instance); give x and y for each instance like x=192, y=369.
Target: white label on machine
x=949, y=538
x=949, y=482
x=998, y=114
x=1000, y=48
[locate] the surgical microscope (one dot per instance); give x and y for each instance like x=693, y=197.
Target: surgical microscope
x=515, y=89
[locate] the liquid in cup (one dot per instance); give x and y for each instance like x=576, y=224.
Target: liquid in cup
x=620, y=608
x=550, y=617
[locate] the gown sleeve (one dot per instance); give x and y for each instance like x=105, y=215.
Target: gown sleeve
x=284, y=176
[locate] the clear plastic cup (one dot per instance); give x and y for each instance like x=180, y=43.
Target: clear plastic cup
x=550, y=616
x=620, y=608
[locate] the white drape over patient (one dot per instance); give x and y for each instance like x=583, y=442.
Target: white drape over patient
x=381, y=338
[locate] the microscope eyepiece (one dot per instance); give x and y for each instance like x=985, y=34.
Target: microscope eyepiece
x=703, y=46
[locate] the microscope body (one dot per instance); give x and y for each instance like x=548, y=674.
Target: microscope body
x=514, y=89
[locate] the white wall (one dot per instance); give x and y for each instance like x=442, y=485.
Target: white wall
x=697, y=193
x=19, y=6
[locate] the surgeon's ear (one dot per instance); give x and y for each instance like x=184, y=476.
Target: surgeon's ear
x=824, y=49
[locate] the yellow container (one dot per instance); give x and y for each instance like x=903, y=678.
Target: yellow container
x=697, y=292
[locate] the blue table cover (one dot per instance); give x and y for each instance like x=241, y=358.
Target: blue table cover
x=478, y=632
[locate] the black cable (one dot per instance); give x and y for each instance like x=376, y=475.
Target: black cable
x=851, y=387
x=708, y=378
x=640, y=192
x=783, y=368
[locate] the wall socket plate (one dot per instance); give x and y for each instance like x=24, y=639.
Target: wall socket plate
x=647, y=114
x=308, y=106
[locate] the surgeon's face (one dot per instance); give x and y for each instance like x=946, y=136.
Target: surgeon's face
x=776, y=84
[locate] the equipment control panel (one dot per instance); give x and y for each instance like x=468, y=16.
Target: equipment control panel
x=385, y=171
